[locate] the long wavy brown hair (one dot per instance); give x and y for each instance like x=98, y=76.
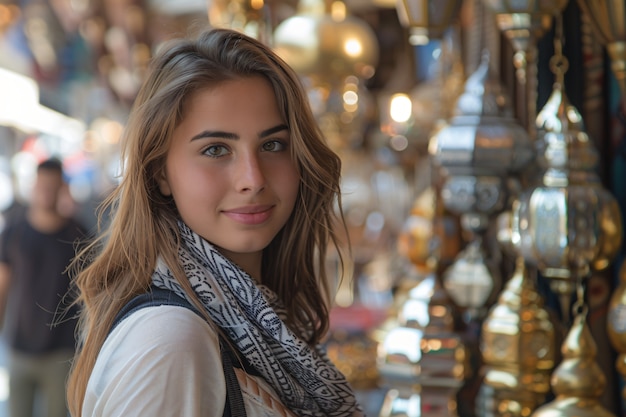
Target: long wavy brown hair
x=142, y=225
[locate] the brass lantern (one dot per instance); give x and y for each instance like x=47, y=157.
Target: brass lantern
x=609, y=21
x=480, y=147
x=578, y=381
x=569, y=225
x=427, y=19
x=518, y=346
x=478, y=153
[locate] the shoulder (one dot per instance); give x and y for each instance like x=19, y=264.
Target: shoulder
x=168, y=325
x=160, y=360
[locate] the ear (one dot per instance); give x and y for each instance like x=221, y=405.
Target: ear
x=164, y=185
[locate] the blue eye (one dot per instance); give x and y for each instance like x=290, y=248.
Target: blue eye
x=215, y=151
x=274, y=146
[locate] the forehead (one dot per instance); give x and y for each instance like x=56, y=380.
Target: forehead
x=48, y=172
x=233, y=99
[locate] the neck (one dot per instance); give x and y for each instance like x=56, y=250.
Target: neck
x=45, y=220
x=249, y=262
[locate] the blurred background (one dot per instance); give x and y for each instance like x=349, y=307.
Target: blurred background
x=483, y=176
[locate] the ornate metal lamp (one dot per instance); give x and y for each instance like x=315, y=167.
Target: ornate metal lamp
x=578, y=381
x=518, y=347
x=523, y=22
x=427, y=19
x=478, y=153
x=609, y=21
x=616, y=323
x=568, y=225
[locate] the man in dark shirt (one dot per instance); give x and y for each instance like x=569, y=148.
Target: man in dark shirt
x=35, y=250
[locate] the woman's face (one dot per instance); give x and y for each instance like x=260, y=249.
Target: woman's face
x=229, y=169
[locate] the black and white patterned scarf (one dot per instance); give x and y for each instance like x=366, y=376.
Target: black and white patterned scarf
x=250, y=314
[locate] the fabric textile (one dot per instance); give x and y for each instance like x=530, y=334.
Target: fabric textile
x=165, y=361
x=250, y=315
x=158, y=296
x=38, y=380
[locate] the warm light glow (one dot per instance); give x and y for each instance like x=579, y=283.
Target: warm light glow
x=353, y=48
x=338, y=11
x=350, y=98
x=418, y=36
x=257, y=4
x=400, y=108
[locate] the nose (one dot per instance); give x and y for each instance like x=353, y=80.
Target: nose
x=250, y=174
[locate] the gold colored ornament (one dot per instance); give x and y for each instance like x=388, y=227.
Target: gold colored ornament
x=518, y=346
x=480, y=146
x=327, y=46
x=427, y=19
x=616, y=323
x=578, y=381
x=478, y=154
x=429, y=235
x=569, y=224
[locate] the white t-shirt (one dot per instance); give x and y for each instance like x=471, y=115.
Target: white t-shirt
x=165, y=361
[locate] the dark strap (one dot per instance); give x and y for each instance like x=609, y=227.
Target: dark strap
x=234, y=406
x=234, y=400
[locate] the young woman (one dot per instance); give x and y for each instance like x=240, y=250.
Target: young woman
x=228, y=199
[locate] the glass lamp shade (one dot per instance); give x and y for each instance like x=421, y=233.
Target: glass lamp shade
x=569, y=224
x=480, y=147
x=427, y=19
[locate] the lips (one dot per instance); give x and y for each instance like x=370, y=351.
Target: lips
x=250, y=215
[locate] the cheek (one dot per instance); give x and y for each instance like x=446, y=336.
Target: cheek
x=199, y=189
x=290, y=183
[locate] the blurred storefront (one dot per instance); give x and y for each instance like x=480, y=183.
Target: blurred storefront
x=483, y=146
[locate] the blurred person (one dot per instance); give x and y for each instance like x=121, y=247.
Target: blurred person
x=226, y=209
x=38, y=323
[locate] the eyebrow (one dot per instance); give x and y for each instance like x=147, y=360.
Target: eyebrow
x=234, y=136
